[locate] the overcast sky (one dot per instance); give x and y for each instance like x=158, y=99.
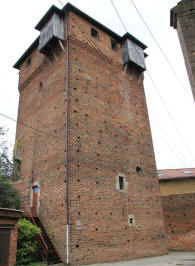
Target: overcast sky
x=173, y=131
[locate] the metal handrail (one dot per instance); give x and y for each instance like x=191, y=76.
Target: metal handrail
x=43, y=243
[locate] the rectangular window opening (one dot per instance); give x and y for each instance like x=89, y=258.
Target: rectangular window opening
x=131, y=220
x=28, y=63
x=94, y=33
x=121, y=182
x=114, y=45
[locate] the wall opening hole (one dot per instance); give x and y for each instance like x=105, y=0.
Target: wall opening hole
x=77, y=246
x=138, y=169
x=114, y=45
x=40, y=84
x=131, y=220
x=94, y=33
x=28, y=63
x=121, y=182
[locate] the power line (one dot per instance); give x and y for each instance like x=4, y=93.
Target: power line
x=61, y=3
x=94, y=45
x=171, y=117
x=187, y=148
x=119, y=16
x=160, y=48
x=174, y=148
x=48, y=169
x=25, y=125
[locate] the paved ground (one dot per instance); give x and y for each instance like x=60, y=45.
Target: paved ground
x=172, y=259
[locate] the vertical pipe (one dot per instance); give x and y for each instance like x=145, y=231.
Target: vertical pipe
x=67, y=150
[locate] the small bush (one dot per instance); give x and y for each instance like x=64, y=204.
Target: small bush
x=27, y=241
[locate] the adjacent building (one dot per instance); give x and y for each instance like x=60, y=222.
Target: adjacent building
x=177, y=187
x=183, y=19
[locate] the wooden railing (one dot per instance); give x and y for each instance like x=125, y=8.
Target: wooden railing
x=44, y=247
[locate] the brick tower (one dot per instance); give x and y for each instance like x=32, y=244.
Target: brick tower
x=183, y=19
x=86, y=161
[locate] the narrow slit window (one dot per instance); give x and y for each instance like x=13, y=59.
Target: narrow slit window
x=28, y=63
x=94, y=33
x=121, y=182
x=114, y=45
x=131, y=220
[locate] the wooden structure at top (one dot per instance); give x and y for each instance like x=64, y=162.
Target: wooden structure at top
x=51, y=28
x=133, y=53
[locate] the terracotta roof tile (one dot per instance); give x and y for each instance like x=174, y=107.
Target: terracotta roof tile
x=181, y=173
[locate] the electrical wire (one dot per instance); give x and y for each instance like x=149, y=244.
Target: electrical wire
x=119, y=16
x=25, y=125
x=171, y=117
x=164, y=104
x=61, y=3
x=172, y=149
x=160, y=48
x=171, y=145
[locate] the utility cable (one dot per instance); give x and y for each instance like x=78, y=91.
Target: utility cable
x=171, y=117
x=48, y=169
x=164, y=104
x=61, y=3
x=119, y=16
x=171, y=145
x=160, y=48
x=83, y=31
x=25, y=125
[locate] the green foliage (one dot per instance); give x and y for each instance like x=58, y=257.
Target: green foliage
x=8, y=195
x=6, y=165
x=27, y=241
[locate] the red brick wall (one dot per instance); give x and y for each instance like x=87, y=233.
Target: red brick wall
x=109, y=134
x=179, y=219
x=13, y=240
x=43, y=157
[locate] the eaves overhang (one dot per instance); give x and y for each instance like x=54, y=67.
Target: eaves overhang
x=70, y=7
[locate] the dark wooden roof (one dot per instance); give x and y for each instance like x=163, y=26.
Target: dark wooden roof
x=77, y=11
x=48, y=14
x=26, y=53
x=10, y=213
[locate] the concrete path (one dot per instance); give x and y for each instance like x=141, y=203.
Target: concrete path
x=172, y=259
